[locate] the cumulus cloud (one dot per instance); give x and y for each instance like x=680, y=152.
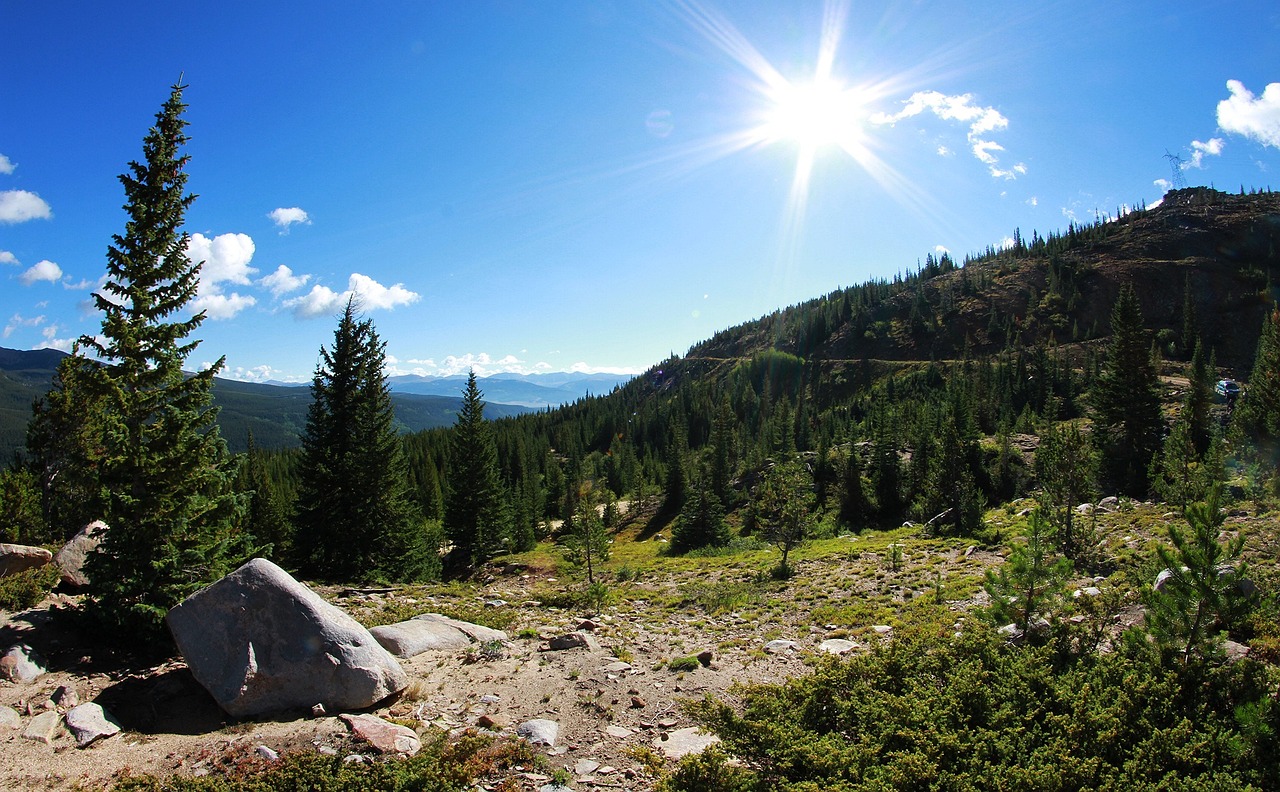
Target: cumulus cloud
x=372, y=296
x=225, y=260
x=284, y=218
x=7, y=258
x=982, y=122
x=19, y=206
x=262, y=373
x=283, y=281
x=6, y=165
x=1255, y=117
x=18, y=321
x=1200, y=150
x=51, y=341
x=41, y=271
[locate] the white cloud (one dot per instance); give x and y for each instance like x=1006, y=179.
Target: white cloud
x=1200, y=150
x=225, y=260
x=262, y=373
x=222, y=306
x=1033, y=201
x=7, y=258
x=18, y=321
x=6, y=165
x=283, y=281
x=981, y=120
x=288, y=217
x=1006, y=243
x=1256, y=118
x=1163, y=184
x=941, y=249
x=19, y=206
x=51, y=340
x=371, y=295
x=41, y=271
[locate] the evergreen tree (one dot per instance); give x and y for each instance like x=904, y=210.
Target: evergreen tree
x=65, y=441
x=701, y=522
x=585, y=540
x=1066, y=468
x=854, y=507
x=1259, y=410
x=475, y=511
x=952, y=501
x=1202, y=596
x=355, y=516
x=20, y=516
x=1026, y=586
x=784, y=510
x=265, y=520
x=1126, y=402
x=1198, y=399
x=162, y=469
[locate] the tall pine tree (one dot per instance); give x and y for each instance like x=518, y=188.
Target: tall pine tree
x=476, y=518
x=1126, y=403
x=162, y=469
x=356, y=519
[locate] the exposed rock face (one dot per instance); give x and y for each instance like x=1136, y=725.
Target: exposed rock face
x=15, y=558
x=261, y=642
x=89, y=722
x=475, y=632
x=431, y=631
x=70, y=559
x=385, y=736
x=21, y=664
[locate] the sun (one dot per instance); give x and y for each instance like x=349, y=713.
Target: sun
x=816, y=114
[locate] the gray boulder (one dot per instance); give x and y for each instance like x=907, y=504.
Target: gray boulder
x=415, y=636
x=15, y=558
x=90, y=722
x=475, y=632
x=70, y=559
x=262, y=643
x=21, y=664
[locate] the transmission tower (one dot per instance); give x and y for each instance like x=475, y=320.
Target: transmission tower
x=1175, y=165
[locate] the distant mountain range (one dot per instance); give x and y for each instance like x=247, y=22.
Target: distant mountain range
x=536, y=391
x=277, y=413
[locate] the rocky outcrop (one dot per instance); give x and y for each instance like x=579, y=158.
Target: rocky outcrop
x=21, y=664
x=15, y=558
x=431, y=631
x=262, y=643
x=70, y=559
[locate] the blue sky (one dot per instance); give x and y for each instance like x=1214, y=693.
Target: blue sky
x=557, y=184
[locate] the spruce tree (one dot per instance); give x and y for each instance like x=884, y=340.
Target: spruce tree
x=475, y=511
x=1066, y=469
x=1126, y=403
x=1259, y=410
x=356, y=519
x=701, y=522
x=64, y=439
x=161, y=468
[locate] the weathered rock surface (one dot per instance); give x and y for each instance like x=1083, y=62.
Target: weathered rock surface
x=574, y=640
x=44, y=727
x=385, y=736
x=415, y=636
x=9, y=718
x=475, y=632
x=836, y=646
x=15, y=558
x=261, y=643
x=683, y=742
x=21, y=664
x=70, y=559
x=539, y=731
x=89, y=722
x=779, y=646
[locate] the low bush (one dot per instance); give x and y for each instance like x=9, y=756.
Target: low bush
x=26, y=589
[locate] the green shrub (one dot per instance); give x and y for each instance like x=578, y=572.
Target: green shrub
x=689, y=663
x=26, y=589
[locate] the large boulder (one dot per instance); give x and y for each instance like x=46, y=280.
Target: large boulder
x=262, y=643
x=15, y=558
x=70, y=559
x=415, y=636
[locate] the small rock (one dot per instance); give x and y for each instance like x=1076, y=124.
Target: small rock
x=836, y=646
x=65, y=697
x=494, y=722
x=573, y=640
x=606, y=770
x=490, y=698
x=588, y=624
x=21, y=664
x=9, y=718
x=667, y=723
x=779, y=646
x=638, y=703
x=267, y=753
x=617, y=667
x=882, y=629
x=584, y=767
x=705, y=657
x=44, y=727
x=90, y=721
x=386, y=737
x=318, y=710
x=354, y=759
x=682, y=742
x=613, y=730
x=1234, y=651
x=71, y=558
x=539, y=731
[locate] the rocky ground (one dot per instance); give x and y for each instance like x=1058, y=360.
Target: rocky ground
x=675, y=629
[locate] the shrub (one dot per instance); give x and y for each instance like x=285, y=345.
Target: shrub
x=26, y=589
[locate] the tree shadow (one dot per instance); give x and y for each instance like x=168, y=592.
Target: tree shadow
x=169, y=702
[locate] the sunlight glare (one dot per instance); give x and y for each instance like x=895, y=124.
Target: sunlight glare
x=815, y=114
